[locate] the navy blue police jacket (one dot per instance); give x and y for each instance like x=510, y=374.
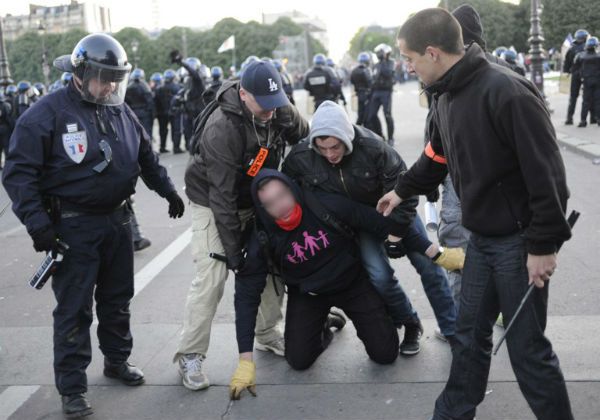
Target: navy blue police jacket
x=56, y=145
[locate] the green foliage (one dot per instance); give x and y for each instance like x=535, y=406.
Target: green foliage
x=367, y=38
x=251, y=38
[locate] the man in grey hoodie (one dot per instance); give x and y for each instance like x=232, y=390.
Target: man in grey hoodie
x=342, y=158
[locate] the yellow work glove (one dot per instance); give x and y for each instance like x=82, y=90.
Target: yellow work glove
x=243, y=378
x=452, y=259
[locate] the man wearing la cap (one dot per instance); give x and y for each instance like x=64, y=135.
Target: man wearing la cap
x=247, y=131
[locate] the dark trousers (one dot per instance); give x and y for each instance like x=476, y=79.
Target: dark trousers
x=98, y=264
x=494, y=280
x=176, y=127
x=306, y=337
x=363, y=103
x=188, y=128
x=591, y=100
x=574, y=94
x=163, y=130
x=381, y=98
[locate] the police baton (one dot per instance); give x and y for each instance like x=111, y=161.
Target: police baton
x=572, y=219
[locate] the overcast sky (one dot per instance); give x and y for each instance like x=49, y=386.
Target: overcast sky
x=341, y=23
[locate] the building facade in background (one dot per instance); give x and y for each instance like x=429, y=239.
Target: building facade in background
x=87, y=16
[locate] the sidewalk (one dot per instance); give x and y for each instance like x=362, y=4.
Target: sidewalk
x=584, y=141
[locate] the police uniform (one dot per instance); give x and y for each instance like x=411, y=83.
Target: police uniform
x=383, y=85
x=139, y=98
x=71, y=165
x=362, y=79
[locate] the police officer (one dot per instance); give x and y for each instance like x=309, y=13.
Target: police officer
x=578, y=46
x=139, y=97
x=320, y=82
x=66, y=77
x=194, y=87
x=156, y=80
x=164, y=112
x=210, y=93
x=7, y=124
x=511, y=58
x=41, y=88
x=588, y=63
x=339, y=75
x=286, y=79
x=362, y=80
x=383, y=85
x=73, y=160
x=25, y=97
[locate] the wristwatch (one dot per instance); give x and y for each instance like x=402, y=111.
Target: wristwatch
x=439, y=254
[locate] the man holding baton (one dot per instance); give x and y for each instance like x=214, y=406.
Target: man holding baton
x=492, y=132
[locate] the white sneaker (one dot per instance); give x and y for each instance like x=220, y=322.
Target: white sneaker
x=190, y=369
x=277, y=346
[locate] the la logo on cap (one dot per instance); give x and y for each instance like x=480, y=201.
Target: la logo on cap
x=272, y=85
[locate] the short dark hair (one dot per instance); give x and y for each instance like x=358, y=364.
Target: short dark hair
x=432, y=27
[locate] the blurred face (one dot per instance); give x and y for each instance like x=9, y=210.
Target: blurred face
x=428, y=67
x=332, y=149
x=277, y=199
x=264, y=115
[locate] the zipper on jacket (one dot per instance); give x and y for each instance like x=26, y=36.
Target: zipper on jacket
x=510, y=208
x=344, y=182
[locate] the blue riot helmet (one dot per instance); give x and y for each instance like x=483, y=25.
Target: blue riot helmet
x=581, y=35
x=97, y=60
x=330, y=62
x=170, y=75
x=11, y=90
x=319, y=60
x=193, y=62
x=138, y=74
x=363, y=58
x=216, y=72
x=23, y=86
x=157, y=78
x=66, y=77
x=510, y=56
x=41, y=88
x=591, y=43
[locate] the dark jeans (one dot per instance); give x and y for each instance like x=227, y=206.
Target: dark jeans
x=305, y=335
x=494, y=280
x=99, y=263
x=363, y=107
x=381, y=98
x=574, y=94
x=591, y=100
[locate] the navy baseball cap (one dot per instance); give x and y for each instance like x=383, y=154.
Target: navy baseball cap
x=263, y=81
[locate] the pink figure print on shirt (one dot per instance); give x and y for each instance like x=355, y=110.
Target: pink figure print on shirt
x=323, y=238
x=298, y=252
x=310, y=243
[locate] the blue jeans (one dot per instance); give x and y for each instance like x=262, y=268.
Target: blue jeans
x=495, y=279
x=435, y=284
x=381, y=275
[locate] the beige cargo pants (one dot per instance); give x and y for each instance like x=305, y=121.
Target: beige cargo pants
x=208, y=285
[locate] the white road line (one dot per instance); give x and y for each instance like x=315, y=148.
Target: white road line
x=159, y=263
x=13, y=398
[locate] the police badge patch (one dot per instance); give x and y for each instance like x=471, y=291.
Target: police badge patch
x=75, y=144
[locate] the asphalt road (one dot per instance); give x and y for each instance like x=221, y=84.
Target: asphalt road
x=343, y=383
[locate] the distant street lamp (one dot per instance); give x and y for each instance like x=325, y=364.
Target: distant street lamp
x=134, y=48
x=45, y=67
x=535, y=41
x=5, y=79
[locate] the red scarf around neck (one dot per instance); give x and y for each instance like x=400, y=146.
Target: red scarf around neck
x=293, y=221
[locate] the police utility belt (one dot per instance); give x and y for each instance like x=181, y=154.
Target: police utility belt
x=61, y=209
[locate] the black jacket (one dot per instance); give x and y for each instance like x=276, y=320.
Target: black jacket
x=383, y=75
x=364, y=176
x=314, y=257
x=575, y=49
x=362, y=79
x=494, y=129
x=589, y=64
x=217, y=176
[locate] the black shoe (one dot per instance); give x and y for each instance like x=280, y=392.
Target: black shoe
x=75, y=406
x=164, y=150
x=336, y=320
x=412, y=334
x=178, y=151
x=141, y=244
x=391, y=142
x=569, y=121
x=125, y=372
x=582, y=124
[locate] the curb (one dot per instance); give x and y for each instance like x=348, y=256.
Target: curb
x=585, y=148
